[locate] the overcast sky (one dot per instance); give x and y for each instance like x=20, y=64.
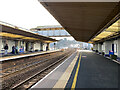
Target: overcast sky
x=25, y=13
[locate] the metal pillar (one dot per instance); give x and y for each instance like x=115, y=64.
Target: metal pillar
x=41, y=46
x=95, y=47
x=99, y=47
x=48, y=47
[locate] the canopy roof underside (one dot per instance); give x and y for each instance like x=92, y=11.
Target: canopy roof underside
x=19, y=34
x=83, y=20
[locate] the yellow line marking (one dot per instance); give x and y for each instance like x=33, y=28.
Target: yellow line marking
x=76, y=74
x=66, y=75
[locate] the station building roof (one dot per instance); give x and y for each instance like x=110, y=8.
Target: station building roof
x=13, y=32
x=85, y=20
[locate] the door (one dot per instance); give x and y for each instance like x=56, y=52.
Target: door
x=113, y=48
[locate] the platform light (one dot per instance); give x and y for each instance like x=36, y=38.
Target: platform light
x=104, y=34
x=90, y=42
x=95, y=39
x=114, y=28
x=10, y=35
x=16, y=36
x=117, y=24
x=48, y=41
x=4, y=34
x=30, y=38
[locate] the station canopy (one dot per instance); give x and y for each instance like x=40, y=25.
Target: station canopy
x=12, y=32
x=112, y=30
x=84, y=20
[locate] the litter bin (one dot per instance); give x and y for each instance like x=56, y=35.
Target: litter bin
x=112, y=56
x=111, y=52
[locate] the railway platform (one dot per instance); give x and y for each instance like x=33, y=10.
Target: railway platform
x=83, y=69
x=26, y=55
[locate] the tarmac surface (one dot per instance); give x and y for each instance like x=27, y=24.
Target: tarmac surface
x=95, y=71
x=90, y=70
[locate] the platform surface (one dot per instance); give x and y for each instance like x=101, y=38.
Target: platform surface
x=84, y=69
x=25, y=55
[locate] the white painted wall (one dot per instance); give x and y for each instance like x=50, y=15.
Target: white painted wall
x=99, y=48
x=10, y=44
x=29, y=46
x=37, y=46
x=103, y=47
x=24, y=46
x=108, y=46
x=21, y=44
x=18, y=45
x=95, y=47
x=115, y=47
x=44, y=47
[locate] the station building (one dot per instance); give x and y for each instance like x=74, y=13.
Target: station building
x=108, y=41
x=25, y=40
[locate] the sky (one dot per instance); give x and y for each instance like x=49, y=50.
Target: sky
x=25, y=13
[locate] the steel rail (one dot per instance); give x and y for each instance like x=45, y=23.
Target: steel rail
x=46, y=68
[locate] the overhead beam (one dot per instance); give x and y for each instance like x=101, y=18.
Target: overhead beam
x=110, y=19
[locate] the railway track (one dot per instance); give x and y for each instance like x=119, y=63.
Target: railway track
x=11, y=70
x=26, y=60
x=32, y=80
x=32, y=73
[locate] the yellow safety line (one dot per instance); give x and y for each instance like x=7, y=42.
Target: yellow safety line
x=61, y=83
x=76, y=74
